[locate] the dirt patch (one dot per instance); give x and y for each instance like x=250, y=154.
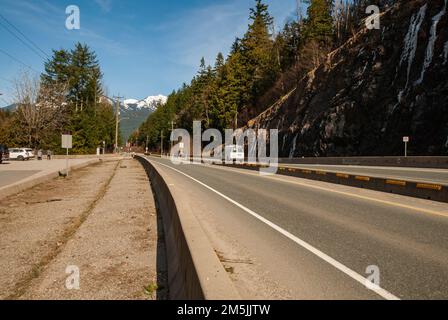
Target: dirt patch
x=101, y=220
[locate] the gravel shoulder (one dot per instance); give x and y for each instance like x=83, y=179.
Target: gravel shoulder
x=101, y=222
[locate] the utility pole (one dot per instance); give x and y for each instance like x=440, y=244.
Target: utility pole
x=172, y=129
x=117, y=119
x=161, y=144
x=146, y=145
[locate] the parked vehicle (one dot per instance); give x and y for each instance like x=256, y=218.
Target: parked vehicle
x=4, y=153
x=20, y=154
x=30, y=153
x=234, y=152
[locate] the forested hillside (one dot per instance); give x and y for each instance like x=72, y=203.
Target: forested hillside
x=263, y=66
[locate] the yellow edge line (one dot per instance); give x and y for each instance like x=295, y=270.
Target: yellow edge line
x=394, y=204
x=363, y=197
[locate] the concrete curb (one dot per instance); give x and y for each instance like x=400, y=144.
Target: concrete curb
x=194, y=270
x=30, y=182
x=428, y=191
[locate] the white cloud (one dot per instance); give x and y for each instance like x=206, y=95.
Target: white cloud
x=208, y=30
x=105, y=5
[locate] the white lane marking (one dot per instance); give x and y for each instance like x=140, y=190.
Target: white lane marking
x=352, y=274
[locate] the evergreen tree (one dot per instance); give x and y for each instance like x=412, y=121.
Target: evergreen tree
x=319, y=24
x=89, y=121
x=260, y=68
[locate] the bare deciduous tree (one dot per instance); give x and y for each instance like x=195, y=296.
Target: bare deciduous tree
x=41, y=110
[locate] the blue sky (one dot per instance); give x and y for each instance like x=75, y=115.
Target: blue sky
x=145, y=47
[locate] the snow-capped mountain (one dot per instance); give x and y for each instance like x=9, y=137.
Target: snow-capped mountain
x=150, y=102
x=134, y=112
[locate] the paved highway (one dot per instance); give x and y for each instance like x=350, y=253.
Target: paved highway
x=411, y=174
x=12, y=176
x=12, y=172
x=312, y=240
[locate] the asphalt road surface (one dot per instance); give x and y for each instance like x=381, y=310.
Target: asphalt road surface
x=410, y=174
x=16, y=171
x=11, y=176
x=321, y=241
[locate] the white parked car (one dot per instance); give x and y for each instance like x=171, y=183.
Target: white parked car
x=19, y=154
x=30, y=153
x=234, y=152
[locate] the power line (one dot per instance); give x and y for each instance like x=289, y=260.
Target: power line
x=23, y=35
x=19, y=61
x=21, y=40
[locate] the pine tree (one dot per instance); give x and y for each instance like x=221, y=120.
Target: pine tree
x=79, y=71
x=320, y=22
x=259, y=59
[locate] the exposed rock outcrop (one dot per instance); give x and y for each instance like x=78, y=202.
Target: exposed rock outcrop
x=378, y=87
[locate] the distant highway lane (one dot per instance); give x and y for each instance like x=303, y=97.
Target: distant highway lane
x=318, y=243
x=439, y=176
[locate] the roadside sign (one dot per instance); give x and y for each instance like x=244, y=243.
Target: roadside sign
x=406, y=141
x=67, y=141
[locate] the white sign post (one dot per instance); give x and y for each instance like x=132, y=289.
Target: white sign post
x=67, y=143
x=405, y=140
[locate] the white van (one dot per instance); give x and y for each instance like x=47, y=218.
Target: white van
x=234, y=152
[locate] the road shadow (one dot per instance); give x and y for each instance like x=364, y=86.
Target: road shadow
x=162, y=292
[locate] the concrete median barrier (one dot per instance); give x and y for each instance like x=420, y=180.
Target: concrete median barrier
x=194, y=270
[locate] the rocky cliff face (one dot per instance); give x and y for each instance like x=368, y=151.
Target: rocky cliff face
x=378, y=87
